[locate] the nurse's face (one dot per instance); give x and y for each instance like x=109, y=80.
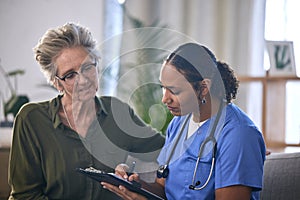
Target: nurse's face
x=178, y=94
x=77, y=73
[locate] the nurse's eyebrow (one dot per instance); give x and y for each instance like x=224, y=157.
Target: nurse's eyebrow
x=171, y=88
x=168, y=87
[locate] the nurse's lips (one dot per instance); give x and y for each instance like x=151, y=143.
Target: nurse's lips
x=171, y=108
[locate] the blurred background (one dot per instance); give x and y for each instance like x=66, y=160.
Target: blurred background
x=134, y=36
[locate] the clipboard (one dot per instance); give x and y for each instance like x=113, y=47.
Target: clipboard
x=113, y=179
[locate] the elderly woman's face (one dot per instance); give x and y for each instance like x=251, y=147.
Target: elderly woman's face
x=178, y=94
x=77, y=73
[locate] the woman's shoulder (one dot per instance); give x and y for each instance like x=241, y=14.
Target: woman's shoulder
x=31, y=107
x=28, y=107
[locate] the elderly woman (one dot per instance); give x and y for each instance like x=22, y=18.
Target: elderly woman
x=75, y=129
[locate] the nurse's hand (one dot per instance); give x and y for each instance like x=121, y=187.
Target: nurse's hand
x=122, y=170
x=122, y=192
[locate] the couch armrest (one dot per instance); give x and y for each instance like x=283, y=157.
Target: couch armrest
x=281, y=177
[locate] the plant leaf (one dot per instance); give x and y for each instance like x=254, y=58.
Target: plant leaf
x=15, y=72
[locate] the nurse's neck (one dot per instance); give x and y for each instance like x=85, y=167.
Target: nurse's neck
x=197, y=118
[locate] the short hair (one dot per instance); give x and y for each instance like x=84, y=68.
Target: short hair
x=56, y=39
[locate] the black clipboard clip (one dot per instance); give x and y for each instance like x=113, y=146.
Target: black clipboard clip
x=115, y=180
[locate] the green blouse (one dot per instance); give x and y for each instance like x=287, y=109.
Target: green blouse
x=45, y=152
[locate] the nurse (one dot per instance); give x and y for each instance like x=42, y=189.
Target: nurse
x=213, y=150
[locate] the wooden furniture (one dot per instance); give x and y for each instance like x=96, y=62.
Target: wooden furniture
x=5, y=144
x=273, y=108
x=4, y=187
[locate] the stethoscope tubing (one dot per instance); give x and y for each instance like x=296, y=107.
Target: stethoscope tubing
x=178, y=138
x=209, y=138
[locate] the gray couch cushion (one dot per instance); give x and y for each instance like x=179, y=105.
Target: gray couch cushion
x=281, y=177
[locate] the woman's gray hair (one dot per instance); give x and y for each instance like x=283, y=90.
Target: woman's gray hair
x=56, y=39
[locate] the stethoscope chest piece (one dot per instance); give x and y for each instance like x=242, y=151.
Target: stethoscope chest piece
x=162, y=171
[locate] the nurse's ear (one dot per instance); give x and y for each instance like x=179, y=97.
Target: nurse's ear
x=205, y=86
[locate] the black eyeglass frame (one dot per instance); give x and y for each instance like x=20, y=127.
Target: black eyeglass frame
x=70, y=74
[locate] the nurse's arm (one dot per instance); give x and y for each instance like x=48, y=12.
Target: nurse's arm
x=236, y=192
x=157, y=188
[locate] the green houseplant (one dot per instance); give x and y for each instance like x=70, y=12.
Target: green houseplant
x=144, y=69
x=15, y=101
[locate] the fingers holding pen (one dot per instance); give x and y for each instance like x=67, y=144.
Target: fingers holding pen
x=121, y=170
x=134, y=177
x=124, y=170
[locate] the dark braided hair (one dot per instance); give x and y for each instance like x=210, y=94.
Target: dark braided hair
x=197, y=62
x=230, y=81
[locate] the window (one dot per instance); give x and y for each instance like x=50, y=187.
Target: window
x=282, y=24
x=110, y=49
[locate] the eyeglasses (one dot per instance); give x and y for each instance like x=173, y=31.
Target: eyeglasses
x=86, y=70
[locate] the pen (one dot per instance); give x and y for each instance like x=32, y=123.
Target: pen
x=131, y=169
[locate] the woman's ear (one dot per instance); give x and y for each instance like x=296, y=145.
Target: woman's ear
x=57, y=85
x=205, y=86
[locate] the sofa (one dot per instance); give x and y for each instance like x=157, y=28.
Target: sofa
x=281, y=177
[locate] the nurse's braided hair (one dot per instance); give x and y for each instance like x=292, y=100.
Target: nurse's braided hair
x=189, y=60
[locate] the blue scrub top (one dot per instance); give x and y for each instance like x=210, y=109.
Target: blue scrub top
x=239, y=159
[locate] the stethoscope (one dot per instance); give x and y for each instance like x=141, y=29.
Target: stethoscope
x=163, y=170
